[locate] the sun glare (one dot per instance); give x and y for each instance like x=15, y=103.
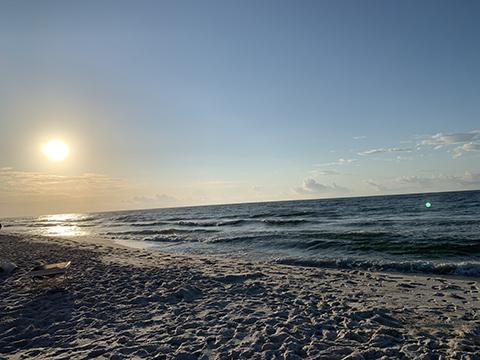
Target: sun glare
x=56, y=150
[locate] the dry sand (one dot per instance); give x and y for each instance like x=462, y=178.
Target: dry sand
x=135, y=304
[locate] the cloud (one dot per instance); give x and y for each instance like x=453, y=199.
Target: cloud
x=414, y=181
x=346, y=161
x=457, y=138
x=381, y=151
x=325, y=173
x=441, y=140
x=359, y=137
x=466, y=180
x=399, y=158
x=311, y=187
x=375, y=185
x=34, y=193
x=465, y=147
x=160, y=200
x=17, y=182
x=339, y=162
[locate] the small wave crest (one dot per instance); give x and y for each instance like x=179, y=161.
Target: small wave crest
x=210, y=223
x=156, y=223
x=301, y=213
x=281, y=222
x=170, y=231
x=460, y=269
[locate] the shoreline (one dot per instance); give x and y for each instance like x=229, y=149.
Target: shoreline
x=125, y=303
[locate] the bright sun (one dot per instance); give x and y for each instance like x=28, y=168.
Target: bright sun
x=56, y=150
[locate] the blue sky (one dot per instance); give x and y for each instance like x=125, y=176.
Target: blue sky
x=172, y=103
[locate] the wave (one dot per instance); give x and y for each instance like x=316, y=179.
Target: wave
x=169, y=238
x=262, y=215
x=210, y=223
x=230, y=239
x=127, y=218
x=426, y=267
x=387, y=242
x=157, y=232
x=156, y=223
x=283, y=222
x=300, y=213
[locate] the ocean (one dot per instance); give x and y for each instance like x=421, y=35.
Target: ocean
x=436, y=233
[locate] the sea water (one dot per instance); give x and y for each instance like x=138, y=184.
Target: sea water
x=430, y=233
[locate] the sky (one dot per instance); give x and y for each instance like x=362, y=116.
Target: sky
x=177, y=103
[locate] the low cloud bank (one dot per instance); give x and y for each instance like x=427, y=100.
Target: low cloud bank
x=311, y=187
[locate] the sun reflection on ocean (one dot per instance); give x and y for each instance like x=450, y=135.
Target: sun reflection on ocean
x=62, y=225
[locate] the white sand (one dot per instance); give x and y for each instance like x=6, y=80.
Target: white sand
x=132, y=304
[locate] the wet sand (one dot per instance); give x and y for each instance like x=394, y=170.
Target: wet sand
x=125, y=303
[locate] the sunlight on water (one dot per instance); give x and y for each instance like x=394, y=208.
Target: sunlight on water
x=360, y=233
x=60, y=217
x=62, y=225
x=64, y=231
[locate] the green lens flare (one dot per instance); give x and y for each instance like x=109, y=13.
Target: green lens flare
x=428, y=204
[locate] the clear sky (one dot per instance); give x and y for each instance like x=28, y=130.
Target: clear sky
x=172, y=103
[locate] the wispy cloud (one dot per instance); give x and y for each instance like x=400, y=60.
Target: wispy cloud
x=465, y=147
x=24, y=193
x=463, y=179
x=441, y=140
x=339, y=162
x=346, y=161
x=158, y=200
x=381, y=151
x=17, y=182
x=466, y=180
x=325, y=173
x=359, y=137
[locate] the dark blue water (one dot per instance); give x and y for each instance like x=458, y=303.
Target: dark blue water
x=388, y=233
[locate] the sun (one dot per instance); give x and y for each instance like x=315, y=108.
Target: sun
x=56, y=150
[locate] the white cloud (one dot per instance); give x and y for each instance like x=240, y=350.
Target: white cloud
x=381, y=151
x=441, y=140
x=359, y=137
x=339, y=162
x=375, y=185
x=466, y=180
x=414, y=182
x=311, y=187
x=325, y=173
x=399, y=158
x=456, y=138
x=160, y=200
x=465, y=147
x=346, y=161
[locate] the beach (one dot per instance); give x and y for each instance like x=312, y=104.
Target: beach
x=123, y=303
